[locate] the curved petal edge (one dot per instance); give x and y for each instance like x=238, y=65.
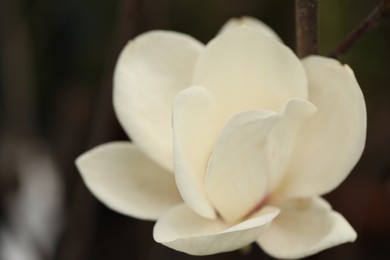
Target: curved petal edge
x=305, y=227
x=127, y=181
x=331, y=142
x=185, y=231
x=150, y=71
x=195, y=127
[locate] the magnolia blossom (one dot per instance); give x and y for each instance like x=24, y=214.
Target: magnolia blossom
x=233, y=142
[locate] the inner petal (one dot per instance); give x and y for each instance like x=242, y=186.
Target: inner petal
x=282, y=139
x=196, y=124
x=250, y=158
x=237, y=173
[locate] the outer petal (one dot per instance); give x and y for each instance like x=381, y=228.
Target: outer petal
x=246, y=69
x=332, y=141
x=305, y=227
x=185, y=231
x=237, y=174
x=125, y=180
x=150, y=71
x=251, y=22
x=195, y=126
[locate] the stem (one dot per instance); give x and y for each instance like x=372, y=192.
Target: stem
x=370, y=22
x=306, y=27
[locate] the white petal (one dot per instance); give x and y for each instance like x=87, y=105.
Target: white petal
x=245, y=69
x=127, y=181
x=236, y=180
x=283, y=138
x=195, y=127
x=305, y=227
x=150, y=71
x=183, y=230
x=332, y=141
x=251, y=22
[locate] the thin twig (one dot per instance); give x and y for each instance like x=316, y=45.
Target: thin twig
x=306, y=27
x=371, y=21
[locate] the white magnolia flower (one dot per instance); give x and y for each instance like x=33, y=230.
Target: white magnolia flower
x=253, y=135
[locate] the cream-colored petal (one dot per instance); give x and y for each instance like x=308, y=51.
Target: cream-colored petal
x=127, y=181
x=246, y=69
x=237, y=174
x=251, y=22
x=184, y=231
x=283, y=138
x=305, y=227
x=195, y=128
x=332, y=141
x=150, y=71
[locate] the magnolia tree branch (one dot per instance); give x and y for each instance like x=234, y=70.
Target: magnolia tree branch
x=371, y=21
x=306, y=27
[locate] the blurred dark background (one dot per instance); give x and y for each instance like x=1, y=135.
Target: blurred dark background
x=56, y=65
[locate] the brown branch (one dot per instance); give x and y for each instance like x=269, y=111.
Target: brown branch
x=371, y=21
x=306, y=27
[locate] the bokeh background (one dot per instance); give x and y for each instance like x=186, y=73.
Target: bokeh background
x=56, y=65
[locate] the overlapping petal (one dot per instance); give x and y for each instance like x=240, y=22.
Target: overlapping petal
x=185, y=231
x=251, y=22
x=250, y=157
x=151, y=70
x=282, y=139
x=248, y=124
x=127, y=181
x=332, y=141
x=196, y=124
x=246, y=69
x=305, y=227
x=236, y=179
